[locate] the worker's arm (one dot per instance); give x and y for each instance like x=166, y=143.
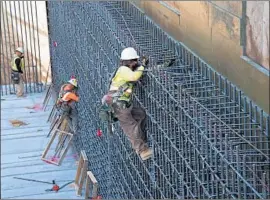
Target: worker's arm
x=72, y=96
x=129, y=75
x=18, y=64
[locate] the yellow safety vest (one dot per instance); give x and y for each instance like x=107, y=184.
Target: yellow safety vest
x=124, y=88
x=13, y=64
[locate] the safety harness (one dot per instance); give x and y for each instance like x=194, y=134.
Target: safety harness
x=106, y=112
x=15, y=75
x=62, y=105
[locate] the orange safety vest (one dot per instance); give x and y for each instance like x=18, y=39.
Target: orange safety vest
x=65, y=98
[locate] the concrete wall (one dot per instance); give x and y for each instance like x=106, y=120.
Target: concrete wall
x=257, y=32
x=213, y=31
x=20, y=26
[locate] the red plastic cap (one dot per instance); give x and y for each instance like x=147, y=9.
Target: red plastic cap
x=55, y=188
x=99, y=133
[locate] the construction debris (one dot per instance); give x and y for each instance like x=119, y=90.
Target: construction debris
x=17, y=123
x=36, y=107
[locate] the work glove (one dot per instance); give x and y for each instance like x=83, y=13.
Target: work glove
x=145, y=61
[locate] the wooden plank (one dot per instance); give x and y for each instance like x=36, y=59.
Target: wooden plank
x=81, y=173
x=79, y=169
x=64, y=152
x=91, y=180
x=83, y=176
x=66, y=149
x=49, y=145
x=87, y=190
x=84, y=157
x=92, y=177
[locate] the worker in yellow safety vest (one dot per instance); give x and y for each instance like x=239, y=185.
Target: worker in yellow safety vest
x=132, y=119
x=17, y=66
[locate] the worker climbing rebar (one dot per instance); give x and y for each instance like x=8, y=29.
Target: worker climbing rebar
x=17, y=66
x=132, y=119
x=66, y=103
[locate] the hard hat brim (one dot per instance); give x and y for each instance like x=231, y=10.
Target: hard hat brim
x=137, y=57
x=19, y=51
x=72, y=84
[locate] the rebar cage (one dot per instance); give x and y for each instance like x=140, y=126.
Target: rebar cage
x=20, y=27
x=209, y=140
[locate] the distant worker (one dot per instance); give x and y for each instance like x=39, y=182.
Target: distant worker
x=17, y=66
x=66, y=103
x=132, y=119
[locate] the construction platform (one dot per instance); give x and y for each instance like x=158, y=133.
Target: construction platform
x=21, y=149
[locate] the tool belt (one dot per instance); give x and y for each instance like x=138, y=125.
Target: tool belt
x=110, y=102
x=106, y=114
x=107, y=111
x=120, y=104
x=15, y=77
x=63, y=108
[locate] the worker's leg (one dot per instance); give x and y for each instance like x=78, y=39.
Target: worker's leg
x=140, y=116
x=20, y=87
x=74, y=119
x=69, y=120
x=64, y=124
x=131, y=128
x=64, y=111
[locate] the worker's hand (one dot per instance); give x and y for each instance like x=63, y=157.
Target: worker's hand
x=145, y=61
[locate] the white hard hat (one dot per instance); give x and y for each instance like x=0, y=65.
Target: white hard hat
x=129, y=54
x=20, y=49
x=73, y=81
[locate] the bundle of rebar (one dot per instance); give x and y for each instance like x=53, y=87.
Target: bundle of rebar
x=209, y=139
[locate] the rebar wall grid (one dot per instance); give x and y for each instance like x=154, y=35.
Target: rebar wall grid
x=209, y=140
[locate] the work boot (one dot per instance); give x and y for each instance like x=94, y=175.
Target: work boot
x=146, y=154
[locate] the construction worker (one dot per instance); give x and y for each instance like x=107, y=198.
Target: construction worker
x=17, y=66
x=132, y=119
x=66, y=103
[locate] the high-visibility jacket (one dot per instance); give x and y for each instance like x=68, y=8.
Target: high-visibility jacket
x=67, y=95
x=65, y=99
x=122, y=81
x=13, y=64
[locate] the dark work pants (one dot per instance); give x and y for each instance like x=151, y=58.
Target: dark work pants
x=71, y=115
x=132, y=121
x=73, y=120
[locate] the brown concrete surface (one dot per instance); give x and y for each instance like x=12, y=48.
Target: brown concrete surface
x=258, y=32
x=19, y=28
x=212, y=30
